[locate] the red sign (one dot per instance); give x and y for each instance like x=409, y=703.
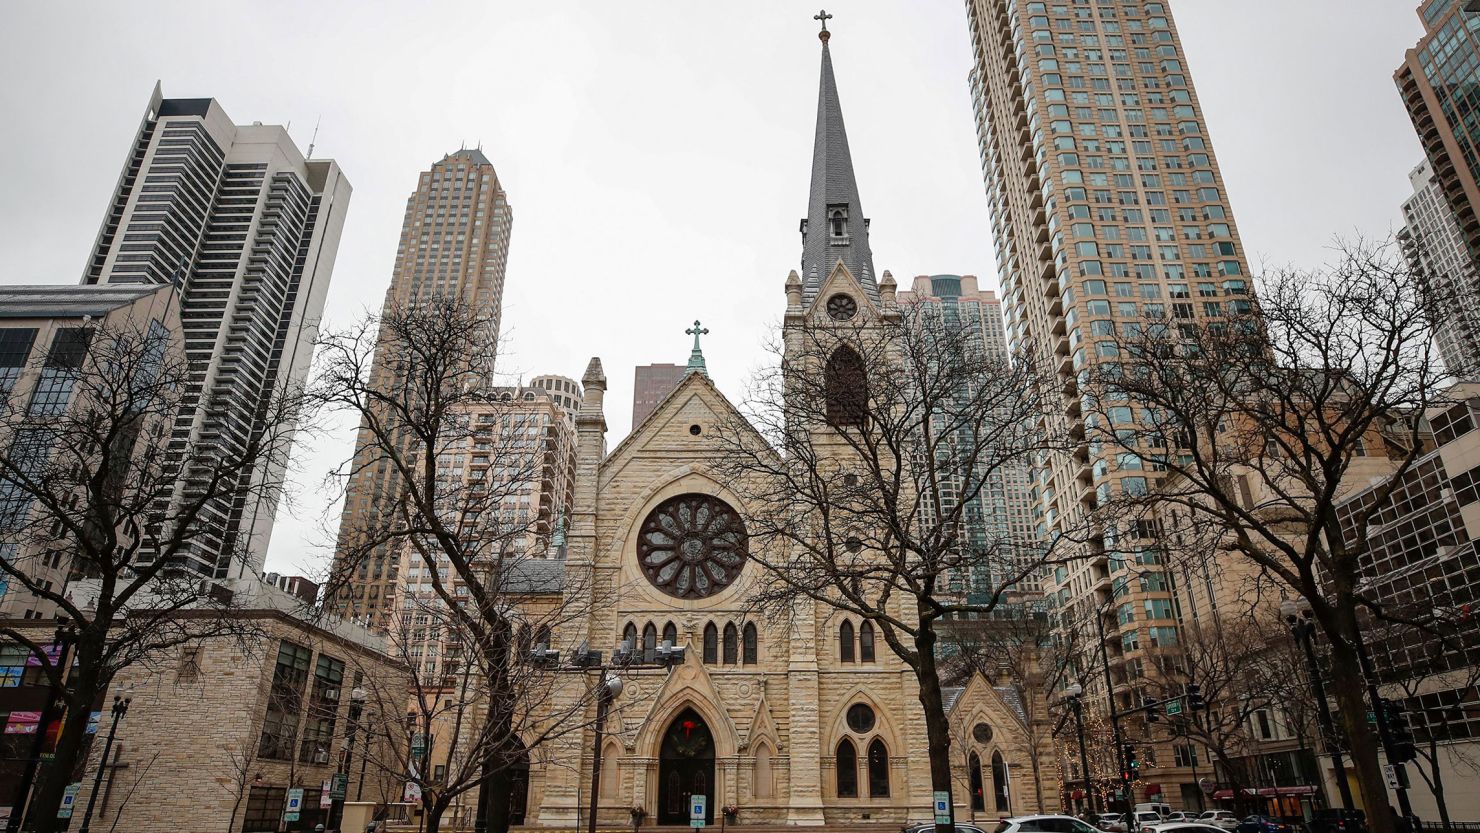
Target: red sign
x=22, y=723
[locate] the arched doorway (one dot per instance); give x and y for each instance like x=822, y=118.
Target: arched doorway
x=685, y=768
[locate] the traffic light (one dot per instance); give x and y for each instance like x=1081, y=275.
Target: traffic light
x=1132, y=765
x=1153, y=709
x=1403, y=749
x=1195, y=700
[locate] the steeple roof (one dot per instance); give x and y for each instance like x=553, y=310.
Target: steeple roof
x=835, y=228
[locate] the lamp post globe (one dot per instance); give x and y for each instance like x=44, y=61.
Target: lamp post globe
x=1075, y=690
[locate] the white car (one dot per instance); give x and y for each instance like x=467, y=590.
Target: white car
x=1183, y=827
x=1219, y=818
x=1192, y=817
x=1111, y=822
x=1043, y=824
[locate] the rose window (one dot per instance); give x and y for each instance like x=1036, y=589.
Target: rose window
x=692, y=546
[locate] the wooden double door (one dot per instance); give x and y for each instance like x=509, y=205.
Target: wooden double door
x=685, y=769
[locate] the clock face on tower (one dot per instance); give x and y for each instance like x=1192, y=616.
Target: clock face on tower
x=841, y=307
x=692, y=546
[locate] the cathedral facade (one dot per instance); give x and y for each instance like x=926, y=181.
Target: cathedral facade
x=806, y=721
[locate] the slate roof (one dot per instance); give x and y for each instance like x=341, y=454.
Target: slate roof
x=69, y=301
x=833, y=184
x=951, y=694
x=474, y=155
x=536, y=575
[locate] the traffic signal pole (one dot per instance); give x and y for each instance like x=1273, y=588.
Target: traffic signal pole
x=1385, y=733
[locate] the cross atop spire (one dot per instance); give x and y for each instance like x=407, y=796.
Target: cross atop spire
x=696, y=357
x=835, y=228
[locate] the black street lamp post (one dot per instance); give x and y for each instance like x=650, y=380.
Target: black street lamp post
x=120, y=708
x=1303, y=628
x=1075, y=692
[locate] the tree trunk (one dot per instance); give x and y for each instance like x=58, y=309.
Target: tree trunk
x=1348, y=686
x=435, y=811
x=496, y=792
x=1436, y=783
x=937, y=729
x=52, y=778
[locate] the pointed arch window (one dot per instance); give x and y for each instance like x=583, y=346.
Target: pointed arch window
x=845, y=641
x=878, y=769
x=670, y=634
x=711, y=644
x=732, y=644
x=846, y=383
x=649, y=643
x=999, y=783
x=629, y=636
x=978, y=796
x=748, y=644
x=847, y=769
x=866, y=642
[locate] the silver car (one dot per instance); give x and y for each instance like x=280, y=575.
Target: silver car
x=1044, y=824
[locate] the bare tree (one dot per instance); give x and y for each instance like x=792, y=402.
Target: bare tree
x=93, y=484
x=1258, y=415
x=863, y=458
x=476, y=558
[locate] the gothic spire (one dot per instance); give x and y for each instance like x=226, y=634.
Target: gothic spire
x=835, y=228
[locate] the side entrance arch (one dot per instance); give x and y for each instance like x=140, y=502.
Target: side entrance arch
x=685, y=768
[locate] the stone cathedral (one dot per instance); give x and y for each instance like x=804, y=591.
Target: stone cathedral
x=807, y=723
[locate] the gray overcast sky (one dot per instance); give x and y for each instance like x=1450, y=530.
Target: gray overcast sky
x=656, y=154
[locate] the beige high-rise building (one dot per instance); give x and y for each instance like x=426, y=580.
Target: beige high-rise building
x=246, y=227
x=454, y=241
x=1107, y=210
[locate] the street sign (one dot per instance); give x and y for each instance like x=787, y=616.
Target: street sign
x=1174, y=708
x=697, y=804
x=69, y=799
x=942, y=807
x=1390, y=772
x=1372, y=718
x=418, y=745
x=339, y=786
x=326, y=797
x=294, y=807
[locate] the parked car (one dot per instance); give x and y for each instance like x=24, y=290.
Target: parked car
x=1180, y=816
x=929, y=827
x=1337, y=820
x=1163, y=810
x=1263, y=824
x=1043, y=824
x=1111, y=822
x=1147, y=818
x=1183, y=827
x=1219, y=818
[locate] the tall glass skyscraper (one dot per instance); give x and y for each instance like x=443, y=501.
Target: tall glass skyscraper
x=1108, y=210
x=1440, y=84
